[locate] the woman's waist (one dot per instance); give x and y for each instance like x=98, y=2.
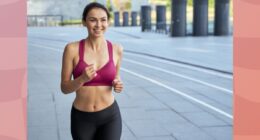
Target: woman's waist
x=92, y=102
x=100, y=116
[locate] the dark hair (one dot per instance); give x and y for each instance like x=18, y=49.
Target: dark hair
x=93, y=5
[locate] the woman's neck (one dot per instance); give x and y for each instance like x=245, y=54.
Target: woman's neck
x=95, y=43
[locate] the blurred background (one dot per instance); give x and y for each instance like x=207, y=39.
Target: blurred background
x=177, y=67
x=68, y=13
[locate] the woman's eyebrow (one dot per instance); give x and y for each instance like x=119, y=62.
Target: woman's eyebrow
x=97, y=18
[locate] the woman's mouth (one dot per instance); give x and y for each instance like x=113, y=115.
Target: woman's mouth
x=97, y=31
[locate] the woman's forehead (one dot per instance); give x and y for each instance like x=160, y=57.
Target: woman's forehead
x=97, y=12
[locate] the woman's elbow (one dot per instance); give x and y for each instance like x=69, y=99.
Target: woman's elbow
x=63, y=89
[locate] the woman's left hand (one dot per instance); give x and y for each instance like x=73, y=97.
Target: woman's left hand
x=118, y=85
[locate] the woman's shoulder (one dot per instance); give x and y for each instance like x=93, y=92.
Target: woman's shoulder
x=118, y=48
x=72, y=46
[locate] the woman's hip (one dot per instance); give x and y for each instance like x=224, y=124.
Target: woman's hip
x=98, y=116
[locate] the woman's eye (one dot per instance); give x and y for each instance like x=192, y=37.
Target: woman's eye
x=92, y=20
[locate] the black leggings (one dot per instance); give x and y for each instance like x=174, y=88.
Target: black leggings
x=101, y=125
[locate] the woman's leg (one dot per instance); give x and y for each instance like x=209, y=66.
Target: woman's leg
x=81, y=128
x=111, y=127
x=111, y=130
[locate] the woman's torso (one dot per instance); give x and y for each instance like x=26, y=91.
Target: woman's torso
x=94, y=98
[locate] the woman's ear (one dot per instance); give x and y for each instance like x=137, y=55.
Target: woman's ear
x=84, y=23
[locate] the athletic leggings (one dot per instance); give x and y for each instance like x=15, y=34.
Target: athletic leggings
x=101, y=125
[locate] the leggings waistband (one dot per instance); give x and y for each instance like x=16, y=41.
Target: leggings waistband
x=101, y=115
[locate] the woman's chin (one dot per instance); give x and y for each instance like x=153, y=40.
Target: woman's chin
x=97, y=35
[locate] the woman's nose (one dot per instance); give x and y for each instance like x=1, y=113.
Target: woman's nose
x=98, y=23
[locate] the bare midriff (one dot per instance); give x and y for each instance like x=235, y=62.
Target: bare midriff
x=93, y=98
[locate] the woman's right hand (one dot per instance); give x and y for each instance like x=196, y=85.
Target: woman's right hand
x=89, y=73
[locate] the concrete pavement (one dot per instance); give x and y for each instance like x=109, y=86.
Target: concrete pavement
x=175, y=88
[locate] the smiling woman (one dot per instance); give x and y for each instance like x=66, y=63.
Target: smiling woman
x=94, y=63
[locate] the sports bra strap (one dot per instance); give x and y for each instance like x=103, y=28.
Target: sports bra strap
x=110, y=50
x=81, y=49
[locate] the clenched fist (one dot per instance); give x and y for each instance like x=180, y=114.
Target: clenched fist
x=89, y=73
x=117, y=85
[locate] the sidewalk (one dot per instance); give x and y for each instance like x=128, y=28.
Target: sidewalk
x=214, y=52
x=149, y=111
x=210, y=52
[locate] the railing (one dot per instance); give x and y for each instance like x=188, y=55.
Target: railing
x=44, y=20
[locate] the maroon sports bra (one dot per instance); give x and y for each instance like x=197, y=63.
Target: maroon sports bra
x=105, y=75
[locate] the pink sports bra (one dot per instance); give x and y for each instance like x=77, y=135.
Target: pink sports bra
x=105, y=75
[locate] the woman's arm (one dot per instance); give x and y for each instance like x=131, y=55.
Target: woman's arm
x=68, y=85
x=118, y=64
x=117, y=83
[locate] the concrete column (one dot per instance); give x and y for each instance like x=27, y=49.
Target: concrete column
x=125, y=19
x=146, y=17
x=116, y=19
x=133, y=18
x=160, y=17
x=221, y=23
x=178, y=17
x=200, y=17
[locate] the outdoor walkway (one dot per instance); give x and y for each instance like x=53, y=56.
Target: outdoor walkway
x=175, y=88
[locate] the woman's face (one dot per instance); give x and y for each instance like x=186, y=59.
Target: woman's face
x=96, y=22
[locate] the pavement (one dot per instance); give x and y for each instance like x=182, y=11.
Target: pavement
x=175, y=88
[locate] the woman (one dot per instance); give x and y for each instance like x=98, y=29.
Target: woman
x=94, y=63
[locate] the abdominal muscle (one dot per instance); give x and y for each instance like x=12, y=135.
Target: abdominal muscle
x=93, y=98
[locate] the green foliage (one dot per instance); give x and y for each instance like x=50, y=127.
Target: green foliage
x=128, y=5
x=211, y=3
x=71, y=22
x=190, y=2
x=109, y=6
x=168, y=4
